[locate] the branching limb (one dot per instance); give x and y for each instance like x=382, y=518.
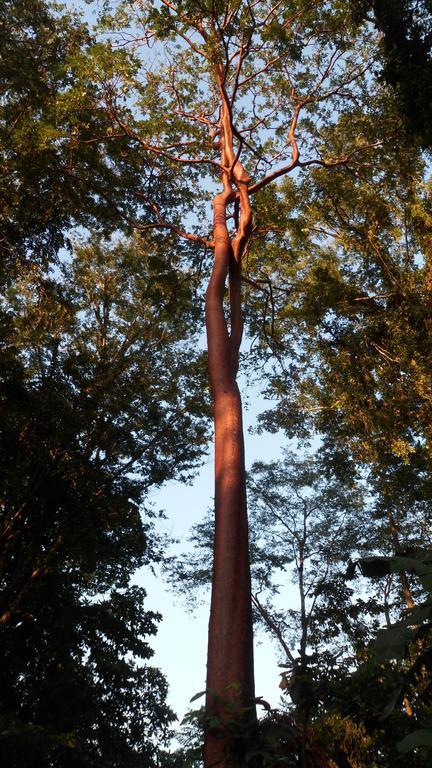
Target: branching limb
x=286, y=168
x=273, y=626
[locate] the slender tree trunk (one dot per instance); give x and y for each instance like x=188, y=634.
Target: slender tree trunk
x=230, y=672
x=406, y=589
x=305, y=707
x=397, y=549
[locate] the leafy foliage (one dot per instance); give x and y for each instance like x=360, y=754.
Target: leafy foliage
x=407, y=637
x=102, y=395
x=63, y=164
x=406, y=28
x=95, y=411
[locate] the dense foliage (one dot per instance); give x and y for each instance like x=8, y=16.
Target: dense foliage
x=102, y=377
x=406, y=29
x=100, y=401
x=95, y=412
x=63, y=164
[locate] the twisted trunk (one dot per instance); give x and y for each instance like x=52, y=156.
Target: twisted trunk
x=230, y=674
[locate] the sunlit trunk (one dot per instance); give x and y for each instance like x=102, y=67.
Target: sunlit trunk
x=230, y=672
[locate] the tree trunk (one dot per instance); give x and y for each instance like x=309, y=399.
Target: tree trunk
x=408, y=598
x=397, y=549
x=230, y=672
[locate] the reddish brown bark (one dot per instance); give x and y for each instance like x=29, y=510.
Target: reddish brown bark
x=230, y=672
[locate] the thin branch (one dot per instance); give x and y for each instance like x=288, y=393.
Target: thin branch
x=161, y=151
x=260, y=71
x=273, y=626
x=161, y=224
x=286, y=168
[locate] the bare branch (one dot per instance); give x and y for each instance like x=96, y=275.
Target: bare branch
x=286, y=168
x=275, y=628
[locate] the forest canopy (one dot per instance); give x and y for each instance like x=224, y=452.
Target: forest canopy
x=257, y=172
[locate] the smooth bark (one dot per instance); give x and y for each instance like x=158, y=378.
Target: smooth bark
x=230, y=672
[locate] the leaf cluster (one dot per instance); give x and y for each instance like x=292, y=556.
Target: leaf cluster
x=95, y=411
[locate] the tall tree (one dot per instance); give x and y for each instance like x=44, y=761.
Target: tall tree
x=230, y=108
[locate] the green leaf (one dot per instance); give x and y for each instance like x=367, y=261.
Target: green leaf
x=394, y=701
x=197, y=696
x=420, y=738
x=391, y=642
x=418, y=615
x=375, y=567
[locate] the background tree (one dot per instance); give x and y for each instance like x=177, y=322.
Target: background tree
x=358, y=372
x=62, y=164
x=406, y=42
x=353, y=368
x=95, y=412
x=303, y=524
